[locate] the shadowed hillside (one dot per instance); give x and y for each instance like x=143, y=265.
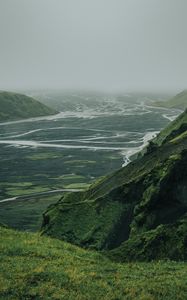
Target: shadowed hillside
x=138, y=212
x=15, y=106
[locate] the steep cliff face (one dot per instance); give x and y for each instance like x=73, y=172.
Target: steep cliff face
x=138, y=212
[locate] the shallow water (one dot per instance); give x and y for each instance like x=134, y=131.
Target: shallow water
x=94, y=135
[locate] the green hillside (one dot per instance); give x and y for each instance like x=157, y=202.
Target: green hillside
x=136, y=213
x=179, y=101
x=34, y=267
x=15, y=106
x=173, y=130
x=136, y=219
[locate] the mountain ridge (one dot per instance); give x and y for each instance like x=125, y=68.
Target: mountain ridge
x=178, y=102
x=15, y=106
x=120, y=208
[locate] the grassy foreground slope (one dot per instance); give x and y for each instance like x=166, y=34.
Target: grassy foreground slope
x=140, y=208
x=179, y=101
x=15, y=106
x=34, y=267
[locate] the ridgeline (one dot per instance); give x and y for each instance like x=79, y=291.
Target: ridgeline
x=14, y=106
x=136, y=213
x=177, y=102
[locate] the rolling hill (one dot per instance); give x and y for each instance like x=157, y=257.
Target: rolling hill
x=132, y=216
x=136, y=213
x=35, y=267
x=15, y=106
x=179, y=101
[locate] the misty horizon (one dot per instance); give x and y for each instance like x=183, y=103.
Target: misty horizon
x=105, y=46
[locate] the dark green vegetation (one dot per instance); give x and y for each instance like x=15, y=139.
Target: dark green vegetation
x=26, y=214
x=179, y=101
x=28, y=170
x=15, y=106
x=36, y=171
x=174, y=132
x=138, y=212
x=39, y=170
x=103, y=128
x=35, y=267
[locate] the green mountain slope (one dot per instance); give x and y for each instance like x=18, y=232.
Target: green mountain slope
x=173, y=130
x=123, y=211
x=15, y=106
x=34, y=267
x=179, y=101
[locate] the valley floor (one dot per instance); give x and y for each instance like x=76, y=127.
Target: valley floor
x=35, y=267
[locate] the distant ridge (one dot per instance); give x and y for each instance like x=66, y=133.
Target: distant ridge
x=179, y=101
x=14, y=106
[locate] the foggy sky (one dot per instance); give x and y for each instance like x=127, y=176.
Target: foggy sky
x=93, y=44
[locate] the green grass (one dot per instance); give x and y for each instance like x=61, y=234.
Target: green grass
x=29, y=170
x=69, y=177
x=171, y=131
x=44, y=156
x=180, y=137
x=112, y=157
x=17, y=106
x=80, y=162
x=16, y=184
x=148, y=192
x=80, y=185
x=34, y=267
x=14, y=191
x=26, y=214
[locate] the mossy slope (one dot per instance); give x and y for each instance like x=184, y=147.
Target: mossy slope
x=14, y=106
x=173, y=130
x=134, y=201
x=166, y=241
x=35, y=267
